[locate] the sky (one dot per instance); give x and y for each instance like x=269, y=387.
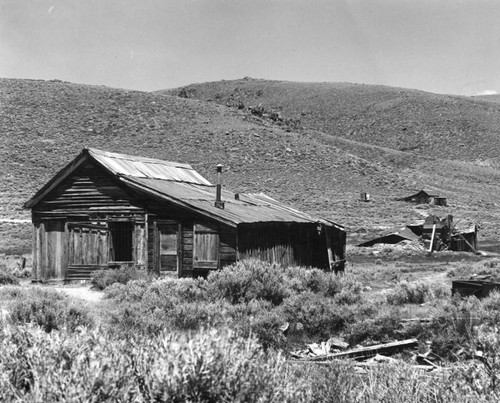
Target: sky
x=441, y=46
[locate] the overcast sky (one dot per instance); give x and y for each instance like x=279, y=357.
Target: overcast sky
x=442, y=46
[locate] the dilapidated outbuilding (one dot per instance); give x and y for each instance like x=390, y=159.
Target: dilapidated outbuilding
x=436, y=233
x=105, y=210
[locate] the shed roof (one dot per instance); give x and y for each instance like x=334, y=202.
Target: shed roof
x=181, y=185
x=402, y=234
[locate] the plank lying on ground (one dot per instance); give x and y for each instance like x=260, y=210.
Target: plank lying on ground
x=416, y=320
x=367, y=352
x=375, y=364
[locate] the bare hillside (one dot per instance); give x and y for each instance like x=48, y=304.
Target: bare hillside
x=431, y=125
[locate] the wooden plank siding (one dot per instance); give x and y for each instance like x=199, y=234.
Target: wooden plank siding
x=226, y=251
x=227, y=244
x=338, y=241
x=88, y=188
x=287, y=244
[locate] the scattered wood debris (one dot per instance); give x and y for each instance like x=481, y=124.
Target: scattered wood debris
x=361, y=353
x=366, y=357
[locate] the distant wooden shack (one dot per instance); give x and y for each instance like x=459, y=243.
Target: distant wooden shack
x=425, y=197
x=104, y=210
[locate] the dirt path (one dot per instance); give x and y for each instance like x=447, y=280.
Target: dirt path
x=81, y=292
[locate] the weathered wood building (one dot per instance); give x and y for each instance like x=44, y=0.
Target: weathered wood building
x=425, y=197
x=104, y=210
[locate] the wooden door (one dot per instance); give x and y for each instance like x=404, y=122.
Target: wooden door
x=50, y=250
x=167, y=247
x=205, y=247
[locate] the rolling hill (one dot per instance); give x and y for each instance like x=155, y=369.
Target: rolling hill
x=438, y=126
x=315, y=146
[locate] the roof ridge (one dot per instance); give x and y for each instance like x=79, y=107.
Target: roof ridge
x=130, y=157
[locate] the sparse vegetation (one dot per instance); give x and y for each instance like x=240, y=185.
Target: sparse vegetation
x=102, y=279
x=487, y=269
x=409, y=293
x=7, y=278
x=50, y=310
x=169, y=339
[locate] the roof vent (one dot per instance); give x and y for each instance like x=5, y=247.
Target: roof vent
x=218, y=201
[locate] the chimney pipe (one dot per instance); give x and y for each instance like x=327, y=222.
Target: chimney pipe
x=218, y=200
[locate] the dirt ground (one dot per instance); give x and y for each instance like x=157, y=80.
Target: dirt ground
x=81, y=291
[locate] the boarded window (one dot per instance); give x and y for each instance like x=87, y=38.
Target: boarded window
x=121, y=241
x=205, y=247
x=168, y=246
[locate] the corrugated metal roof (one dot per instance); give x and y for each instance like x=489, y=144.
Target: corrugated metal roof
x=140, y=167
x=181, y=185
x=248, y=209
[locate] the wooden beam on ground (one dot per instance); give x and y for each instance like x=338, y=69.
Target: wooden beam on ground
x=367, y=352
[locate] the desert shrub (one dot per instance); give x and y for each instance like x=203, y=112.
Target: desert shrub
x=133, y=291
x=194, y=315
x=350, y=290
x=452, y=326
x=131, y=319
x=252, y=296
x=48, y=309
x=384, y=327
x=8, y=279
x=301, y=279
x=409, y=293
x=247, y=280
x=104, y=278
x=260, y=319
x=335, y=381
x=14, y=265
x=440, y=291
x=488, y=268
x=320, y=316
x=151, y=321
x=150, y=307
x=211, y=366
x=185, y=289
x=491, y=306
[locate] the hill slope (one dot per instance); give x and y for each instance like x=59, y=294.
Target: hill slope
x=432, y=125
x=44, y=124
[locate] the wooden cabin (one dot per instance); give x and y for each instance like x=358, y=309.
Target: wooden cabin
x=425, y=197
x=105, y=210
